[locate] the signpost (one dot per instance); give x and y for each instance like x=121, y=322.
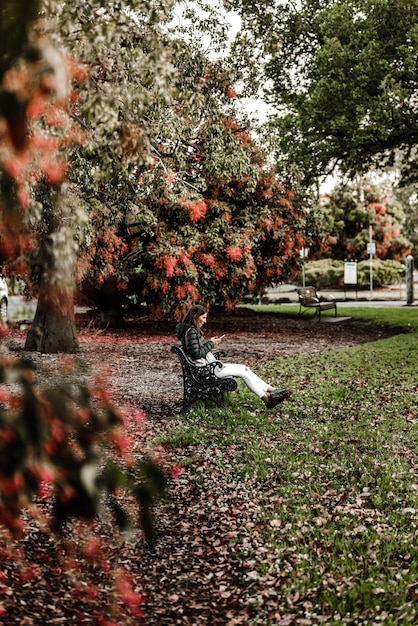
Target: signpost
x=350, y=275
x=303, y=253
x=371, y=250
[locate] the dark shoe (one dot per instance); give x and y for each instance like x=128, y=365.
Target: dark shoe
x=271, y=402
x=281, y=394
x=275, y=397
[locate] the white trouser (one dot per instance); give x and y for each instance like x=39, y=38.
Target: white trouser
x=235, y=370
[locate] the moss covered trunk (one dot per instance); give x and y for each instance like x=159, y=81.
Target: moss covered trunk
x=53, y=328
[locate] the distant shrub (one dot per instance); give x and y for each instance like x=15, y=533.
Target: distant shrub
x=384, y=272
x=330, y=273
x=324, y=273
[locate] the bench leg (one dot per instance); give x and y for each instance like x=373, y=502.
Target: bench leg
x=303, y=310
x=216, y=396
x=320, y=310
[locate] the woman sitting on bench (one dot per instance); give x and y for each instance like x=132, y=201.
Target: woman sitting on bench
x=189, y=332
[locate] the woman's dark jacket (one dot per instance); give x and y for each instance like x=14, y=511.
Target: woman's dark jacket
x=194, y=345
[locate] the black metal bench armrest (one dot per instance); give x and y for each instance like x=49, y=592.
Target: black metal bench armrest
x=219, y=354
x=200, y=381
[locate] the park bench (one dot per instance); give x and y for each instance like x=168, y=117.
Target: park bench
x=200, y=383
x=309, y=298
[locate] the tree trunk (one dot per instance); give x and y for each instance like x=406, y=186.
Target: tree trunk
x=53, y=328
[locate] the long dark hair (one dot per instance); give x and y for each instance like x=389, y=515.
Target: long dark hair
x=192, y=314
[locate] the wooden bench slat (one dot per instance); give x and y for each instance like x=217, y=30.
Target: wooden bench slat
x=310, y=298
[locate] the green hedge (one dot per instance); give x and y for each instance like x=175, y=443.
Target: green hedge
x=330, y=273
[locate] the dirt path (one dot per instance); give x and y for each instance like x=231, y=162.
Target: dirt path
x=146, y=373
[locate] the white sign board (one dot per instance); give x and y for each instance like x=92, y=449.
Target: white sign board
x=350, y=273
x=371, y=248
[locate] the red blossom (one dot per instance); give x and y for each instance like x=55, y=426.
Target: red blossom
x=123, y=443
x=5, y=397
x=192, y=291
x=91, y=592
x=184, y=260
x=378, y=208
x=197, y=210
x=171, y=178
x=43, y=143
x=168, y=263
x=92, y=548
x=175, y=471
x=234, y=253
x=139, y=416
x=54, y=117
x=29, y=574
x=7, y=247
x=44, y=490
x=11, y=486
x=179, y=292
x=15, y=167
x=66, y=494
x=46, y=474
x=57, y=431
x=54, y=172
x=208, y=260
x=129, y=596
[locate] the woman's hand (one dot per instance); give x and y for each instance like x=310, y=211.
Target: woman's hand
x=217, y=340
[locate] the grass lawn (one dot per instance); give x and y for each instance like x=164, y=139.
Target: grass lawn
x=326, y=490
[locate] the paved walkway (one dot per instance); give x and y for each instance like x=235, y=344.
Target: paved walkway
x=393, y=296
x=21, y=309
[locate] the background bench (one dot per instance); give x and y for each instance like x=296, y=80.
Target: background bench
x=200, y=383
x=310, y=298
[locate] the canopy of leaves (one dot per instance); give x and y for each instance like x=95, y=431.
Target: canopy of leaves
x=408, y=197
x=128, y=71
x=168, y=168
x=342, y=79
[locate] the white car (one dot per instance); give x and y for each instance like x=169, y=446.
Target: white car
x=4, y=299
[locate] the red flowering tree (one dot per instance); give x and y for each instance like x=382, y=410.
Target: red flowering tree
x=47, y=111
x=37, y=132
x=346, y=218
x=242, y=232
x=34, y=128
x=180, y=205
x=179, y=201
x=63, y=449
